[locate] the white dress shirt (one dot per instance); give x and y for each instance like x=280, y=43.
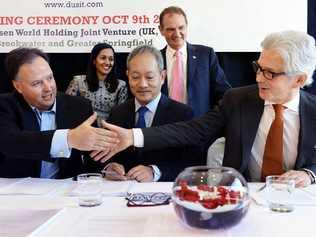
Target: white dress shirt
x=170, y=60
x=291, y=129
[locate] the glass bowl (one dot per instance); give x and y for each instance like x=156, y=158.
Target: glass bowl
x=210, y=198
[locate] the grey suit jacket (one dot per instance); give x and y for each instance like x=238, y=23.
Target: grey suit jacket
x=237, y=119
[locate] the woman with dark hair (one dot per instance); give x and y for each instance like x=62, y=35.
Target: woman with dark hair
x=100, y=85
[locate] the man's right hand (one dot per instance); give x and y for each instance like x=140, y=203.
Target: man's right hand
x=124, y=136
x=87, y=138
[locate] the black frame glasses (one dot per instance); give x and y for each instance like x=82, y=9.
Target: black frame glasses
x=147, y=199
x=266, y=73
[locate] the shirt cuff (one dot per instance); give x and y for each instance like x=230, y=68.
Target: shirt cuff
x=138, y=137
x=311, y=175
x=60, y=147
x=157, y=173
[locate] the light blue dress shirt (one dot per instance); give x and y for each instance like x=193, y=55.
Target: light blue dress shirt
x=59, y=147
x=149, y=116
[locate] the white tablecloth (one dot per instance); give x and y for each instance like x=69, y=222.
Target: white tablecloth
x=114, y=218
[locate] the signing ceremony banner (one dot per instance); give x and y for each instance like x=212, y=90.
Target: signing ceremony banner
x=68, y=26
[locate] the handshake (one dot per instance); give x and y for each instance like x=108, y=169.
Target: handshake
x=103, y=142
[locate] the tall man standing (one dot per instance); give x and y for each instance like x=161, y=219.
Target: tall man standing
x=41, y=130
x=194, y=76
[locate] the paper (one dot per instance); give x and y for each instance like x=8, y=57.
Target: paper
x=110, y=188
x=15, y=223
x=97, y=222
x=32, y=186
x=299, y=197
x=5, y=181
x=165, y=187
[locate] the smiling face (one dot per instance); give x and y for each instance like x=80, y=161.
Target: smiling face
x=279, y=89
x=144, y=77
x=35, y=82
x=174, y=28
x=104, y=63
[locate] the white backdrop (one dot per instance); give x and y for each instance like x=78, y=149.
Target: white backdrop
x=76, y=25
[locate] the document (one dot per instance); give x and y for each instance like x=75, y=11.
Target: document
x=299, y=197
x=32, y=186
x=5, y=181
x=165, y=187
x=111, y=188
x=16, y=223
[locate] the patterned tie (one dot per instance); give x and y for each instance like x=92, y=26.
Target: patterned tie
x=141, y=117
x=273, y=152
x=177, y=88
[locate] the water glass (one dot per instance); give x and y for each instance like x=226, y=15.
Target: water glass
x=89, y=189
x=279, y=193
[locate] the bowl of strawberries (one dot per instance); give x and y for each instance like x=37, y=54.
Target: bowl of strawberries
x=210, y=198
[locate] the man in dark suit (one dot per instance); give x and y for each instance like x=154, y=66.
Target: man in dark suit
x=248, y=116
x=202, y=78
x=146, y=75
x=42, y=131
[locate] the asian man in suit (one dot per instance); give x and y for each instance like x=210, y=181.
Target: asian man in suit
x=43, y=131
x=194, y=76
x=150, y=108
x=269, y=127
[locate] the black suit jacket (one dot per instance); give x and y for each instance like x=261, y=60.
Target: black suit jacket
x=170, y=161
x=206, y=81
x=23, y=146
x=237, y=118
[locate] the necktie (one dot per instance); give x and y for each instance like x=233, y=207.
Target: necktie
x=141, y=117
x=177, y=88
x=273, y=152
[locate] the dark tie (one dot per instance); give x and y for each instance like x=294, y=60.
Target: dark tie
x=141, y=117
x=273, y=152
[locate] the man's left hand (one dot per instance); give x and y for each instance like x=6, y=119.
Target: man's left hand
x=141, y=173
x=301, y=178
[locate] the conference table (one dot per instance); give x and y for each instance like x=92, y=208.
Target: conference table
x=42, y=207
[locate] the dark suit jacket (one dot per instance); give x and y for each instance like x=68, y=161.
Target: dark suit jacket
x=206, y=81
x=170, y=161
x=237, y=118
x=23, y=146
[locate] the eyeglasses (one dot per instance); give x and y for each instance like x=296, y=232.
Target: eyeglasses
x=266, y=73
x=147, y=199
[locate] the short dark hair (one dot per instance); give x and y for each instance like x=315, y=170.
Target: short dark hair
x=17, y=57
x=172, y=10
x=92, y=79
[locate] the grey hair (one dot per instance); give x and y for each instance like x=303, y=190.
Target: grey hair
x=147, y=49
x=297, y=49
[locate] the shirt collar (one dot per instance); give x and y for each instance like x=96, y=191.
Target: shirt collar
x=151, y=106
x=171, y=52
x=293, y=104
x=53, y=109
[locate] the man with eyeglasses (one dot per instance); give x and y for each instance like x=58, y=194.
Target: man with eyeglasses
x=269, y=127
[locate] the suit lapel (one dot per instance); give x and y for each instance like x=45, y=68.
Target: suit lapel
x=160, y=112
x=251, y=112
x=29, y=119
x=164, y=88
x=192, y=59
x=130, y=116
x=307, y=130
x=63, y=116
